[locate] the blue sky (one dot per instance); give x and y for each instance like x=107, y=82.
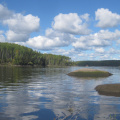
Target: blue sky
x=80, y=29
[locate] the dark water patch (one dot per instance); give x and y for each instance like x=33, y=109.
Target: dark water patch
x=42, y=114
x=43, y=99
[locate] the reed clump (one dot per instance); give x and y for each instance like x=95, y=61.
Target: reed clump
x=85, y=72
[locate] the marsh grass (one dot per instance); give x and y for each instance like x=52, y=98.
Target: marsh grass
x=89, y=73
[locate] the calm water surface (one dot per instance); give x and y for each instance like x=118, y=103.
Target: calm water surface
x=29, y=93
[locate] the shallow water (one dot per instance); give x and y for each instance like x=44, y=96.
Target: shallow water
x=31, y=93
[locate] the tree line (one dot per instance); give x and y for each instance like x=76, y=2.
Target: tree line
x=98, y=63
x=21, y=55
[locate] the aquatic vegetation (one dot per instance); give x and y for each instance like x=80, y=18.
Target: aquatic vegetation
x=89, y=73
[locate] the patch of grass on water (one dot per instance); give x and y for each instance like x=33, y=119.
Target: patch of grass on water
x=90, y=73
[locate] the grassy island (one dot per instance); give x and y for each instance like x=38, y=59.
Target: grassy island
x=109, y=89
x=85, y=72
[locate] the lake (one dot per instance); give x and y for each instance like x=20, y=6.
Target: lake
x=33, y=93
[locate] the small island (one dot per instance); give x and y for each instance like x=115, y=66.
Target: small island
x=109, y=89
x=86, y=72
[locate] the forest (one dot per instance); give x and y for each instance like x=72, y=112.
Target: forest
x=14, y=54
x=99, y=63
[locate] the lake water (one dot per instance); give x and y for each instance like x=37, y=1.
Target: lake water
x=31, y=93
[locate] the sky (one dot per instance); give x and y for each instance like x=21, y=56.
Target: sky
x=79, y=29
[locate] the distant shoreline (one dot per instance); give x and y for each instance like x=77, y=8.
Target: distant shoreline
x=98, y=63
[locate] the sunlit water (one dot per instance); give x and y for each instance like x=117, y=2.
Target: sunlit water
x=29, y=93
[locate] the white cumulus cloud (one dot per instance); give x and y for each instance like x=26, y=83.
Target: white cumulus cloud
x=23, y=24
x=16, y=37
x=5, y=13
x=106, y=18
x=42, y=42
x=20, y=26
x=71, y=23
x=51, y=40
x=66, y=37
x=101, y=39
x=100, y=50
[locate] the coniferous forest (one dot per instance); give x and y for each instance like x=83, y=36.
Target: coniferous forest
x=21, y=55
x=15, y=54
x=98, y=63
